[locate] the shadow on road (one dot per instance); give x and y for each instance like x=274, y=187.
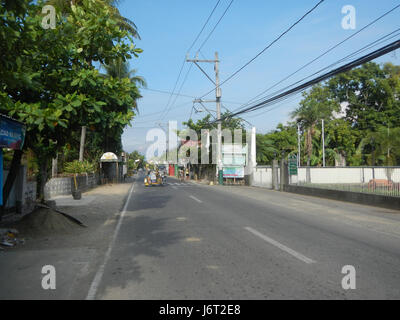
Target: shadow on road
x=141, y=239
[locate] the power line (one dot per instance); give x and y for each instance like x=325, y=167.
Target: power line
x=202, y=29
x=268, y=46
x=183, y=62
x=325, y=53
x=216, y=25
x=157, y=113
x=371, y=45
x=186, y=95
x=169, y=92
x=180, y=89
x=371, y=56
x=173, y=90
x=204, y=42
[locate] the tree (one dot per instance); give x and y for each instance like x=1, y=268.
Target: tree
x=207, y=123
x=341, y=139
x=135, y=160
x=266, y=149
x=60, y=90
x=371, y=93
x=317, y=104
x=65, y=7
x=120, y=69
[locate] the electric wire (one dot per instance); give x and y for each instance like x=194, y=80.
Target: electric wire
x=324, y=53
x=267, y=47
x=366, y=58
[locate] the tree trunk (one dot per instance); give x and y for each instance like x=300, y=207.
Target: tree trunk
x=12, y=175
x=42, y=178
x=82, y=146
x=54, y=167
x=309, y=146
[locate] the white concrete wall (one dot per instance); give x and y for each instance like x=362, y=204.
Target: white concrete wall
x=331, y=175
x=348, y=174
x=262, y=177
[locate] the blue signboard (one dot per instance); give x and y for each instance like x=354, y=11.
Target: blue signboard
x=12, y=134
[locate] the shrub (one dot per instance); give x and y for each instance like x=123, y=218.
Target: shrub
x=77, y=167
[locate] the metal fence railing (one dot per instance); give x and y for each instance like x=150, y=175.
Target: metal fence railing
x=374, y=180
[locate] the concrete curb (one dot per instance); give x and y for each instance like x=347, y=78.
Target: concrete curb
x=354, y=197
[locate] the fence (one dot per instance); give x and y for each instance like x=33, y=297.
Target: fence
x=62, y=185
x=263, y=177
x=374, y=180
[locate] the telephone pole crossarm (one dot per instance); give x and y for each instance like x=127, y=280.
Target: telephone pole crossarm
x=218, y=94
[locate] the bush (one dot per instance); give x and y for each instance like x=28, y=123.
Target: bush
x=77, y=167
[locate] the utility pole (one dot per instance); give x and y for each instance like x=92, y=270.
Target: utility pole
x=167, y=140
x=298, y=146
x=218, y=104
x=323, y=144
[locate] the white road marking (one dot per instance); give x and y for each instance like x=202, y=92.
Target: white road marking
x=174, y=187
x=99, y=274
x=195, y=199
x=281, y=246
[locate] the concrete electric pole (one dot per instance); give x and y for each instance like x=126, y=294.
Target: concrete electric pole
x=323, y=143
x=298, y=146
x=218, y=104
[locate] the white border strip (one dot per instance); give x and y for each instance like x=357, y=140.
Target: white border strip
x=99, y=274
x=281, y=246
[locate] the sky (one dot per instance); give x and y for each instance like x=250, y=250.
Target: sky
x=168, y=28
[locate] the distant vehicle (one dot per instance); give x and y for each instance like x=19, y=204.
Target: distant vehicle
x=153, y=179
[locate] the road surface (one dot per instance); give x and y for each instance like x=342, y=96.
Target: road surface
x=190, y=241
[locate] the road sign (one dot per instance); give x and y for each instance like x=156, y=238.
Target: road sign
x=233, y=172
x=12, y=133
x=292, y=163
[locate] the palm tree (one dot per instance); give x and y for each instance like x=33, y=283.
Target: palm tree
x=124, y=23
x=120, y=69
x=385, y=142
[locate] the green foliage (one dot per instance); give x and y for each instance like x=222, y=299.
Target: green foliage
x=369, y=132
x=133, y=164
x=47, y=79
x=270, y=146
x=77, y=167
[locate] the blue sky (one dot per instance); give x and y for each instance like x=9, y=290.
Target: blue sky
x=168, y=28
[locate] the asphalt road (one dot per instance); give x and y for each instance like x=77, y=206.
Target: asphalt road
x=189, y=241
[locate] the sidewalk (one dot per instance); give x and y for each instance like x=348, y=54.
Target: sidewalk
x=73, y=250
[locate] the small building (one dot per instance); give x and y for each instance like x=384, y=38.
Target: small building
x=112, y=168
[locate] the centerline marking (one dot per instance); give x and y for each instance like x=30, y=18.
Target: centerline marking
x=195, y=199
x=281, y=246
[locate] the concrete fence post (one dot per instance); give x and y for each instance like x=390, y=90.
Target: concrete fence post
x=275, y=180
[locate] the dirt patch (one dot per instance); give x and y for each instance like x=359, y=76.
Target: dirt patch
x=44, y=222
